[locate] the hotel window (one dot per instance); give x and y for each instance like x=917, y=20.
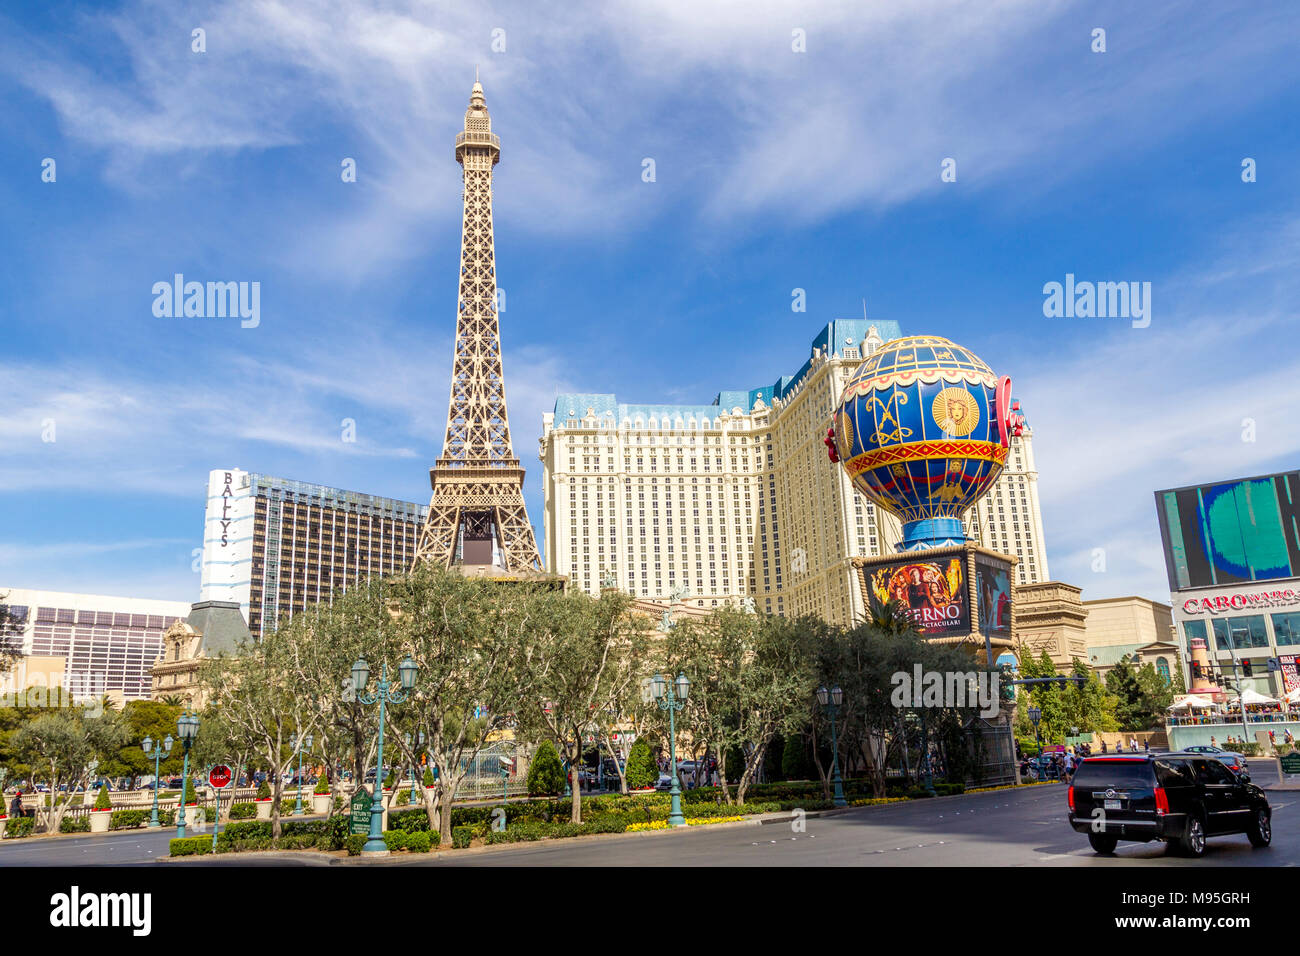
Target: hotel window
x=1243, y=631
x=1286, y=628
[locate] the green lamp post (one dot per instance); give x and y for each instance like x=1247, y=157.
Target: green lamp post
x=830, y=701
x=187, y=728
x=672, y=699
x=304, y=743
x=161, y=750
x=384, y=694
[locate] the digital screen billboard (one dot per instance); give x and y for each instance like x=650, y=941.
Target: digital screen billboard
x=1232, y=532
x=934, y=592
x=993, y=597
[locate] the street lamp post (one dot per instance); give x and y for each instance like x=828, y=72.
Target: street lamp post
x=187, y=727
x=671, y=696
x=161, y=750
x=830, y=702
x=303, y=743
x=415, y=742
x=383, y=695
x=1035, y=715
x=925, y=750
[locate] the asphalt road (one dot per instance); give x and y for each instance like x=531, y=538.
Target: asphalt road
x=1001, y=828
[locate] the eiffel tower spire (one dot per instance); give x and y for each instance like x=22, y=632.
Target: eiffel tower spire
x=478, y=502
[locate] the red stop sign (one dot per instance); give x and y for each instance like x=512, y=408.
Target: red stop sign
x=219, y=776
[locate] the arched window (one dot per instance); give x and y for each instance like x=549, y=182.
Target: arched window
x=1162, y=668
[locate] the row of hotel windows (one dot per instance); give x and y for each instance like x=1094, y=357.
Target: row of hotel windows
x=1247, y=631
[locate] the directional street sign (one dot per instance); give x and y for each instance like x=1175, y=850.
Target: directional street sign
x=360, y=822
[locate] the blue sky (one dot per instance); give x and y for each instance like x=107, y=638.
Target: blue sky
x=775, y=170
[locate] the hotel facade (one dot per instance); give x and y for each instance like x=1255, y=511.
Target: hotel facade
x=91, y=645
x=737, y=500
x=274, y=546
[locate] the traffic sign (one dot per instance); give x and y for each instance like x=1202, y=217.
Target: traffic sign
x=220, y=776
x=360, y=807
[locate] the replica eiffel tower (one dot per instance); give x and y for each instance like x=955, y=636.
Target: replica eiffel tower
x=477, y=516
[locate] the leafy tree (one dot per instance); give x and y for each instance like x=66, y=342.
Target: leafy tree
x=795, y=763
x=145, y=718
x=1134, y=708
x=574, y=657
x=61, y=745
x=545, y=774
x=642, y=771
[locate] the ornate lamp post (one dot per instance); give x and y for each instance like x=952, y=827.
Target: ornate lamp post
x=830, y=702
x=304, y=743
x=671, y=696
x=1035, y=715
x=187, y=728
x=163, y=749
x=384, y=694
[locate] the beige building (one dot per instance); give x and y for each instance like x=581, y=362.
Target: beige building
x=716, y=503
x=1141, y=629
x=1050, y=616
x=213, y=628
x=107, y=645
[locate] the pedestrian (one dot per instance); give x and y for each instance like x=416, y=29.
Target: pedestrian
x=1146, y=745
x=1103, y=744
x=1213, y=742
x=1133, y=744
x=1287, y=738
x=16, y=808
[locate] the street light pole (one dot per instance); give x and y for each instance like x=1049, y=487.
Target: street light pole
x=672, y=699
x=925, y=750
x=163, y=749
x=383, y=695
x=187, y=726
x=302, y=741
x=1035, y=715
x=830, y=701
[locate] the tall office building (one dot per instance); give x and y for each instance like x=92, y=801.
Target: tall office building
x=737, y=499
x=91, y=645
x=275, y=546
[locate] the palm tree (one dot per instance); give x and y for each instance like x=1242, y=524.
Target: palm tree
x=174, y=700
x=892, y=617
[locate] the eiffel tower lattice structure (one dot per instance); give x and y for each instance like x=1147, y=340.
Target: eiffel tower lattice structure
x=477, y=509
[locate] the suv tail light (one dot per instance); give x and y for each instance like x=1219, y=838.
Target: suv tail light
x=1162, y=801
x=1070, y=794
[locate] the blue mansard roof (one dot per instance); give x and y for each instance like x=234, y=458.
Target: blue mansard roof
x=833, y=337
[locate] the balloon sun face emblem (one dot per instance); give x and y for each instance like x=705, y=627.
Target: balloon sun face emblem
x=956, y=411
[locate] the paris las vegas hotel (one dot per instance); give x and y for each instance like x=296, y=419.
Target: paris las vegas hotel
x=718, y=503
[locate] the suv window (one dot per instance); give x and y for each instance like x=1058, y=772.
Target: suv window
x=1100, y=773
x=1211, y=771
x=1175, y=773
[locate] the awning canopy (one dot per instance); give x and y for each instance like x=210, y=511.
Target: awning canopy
x=1252, y=696
x=1190, y=701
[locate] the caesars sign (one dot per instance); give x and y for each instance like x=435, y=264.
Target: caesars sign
x=934, y=592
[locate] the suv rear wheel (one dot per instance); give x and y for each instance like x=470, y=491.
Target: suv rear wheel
x=1260, y=830
x=1193, y=843
x=1103, y=842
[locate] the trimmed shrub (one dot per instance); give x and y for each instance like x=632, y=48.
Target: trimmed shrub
x=264, y=791
x=75, y=824
x=642, y=771
x=402, y=798
x=191, y=846
x=102, y=802
x=428, y=780
x=287, y=807
x=19, y=827
x=187, y=795
x=545, y=774
x=420, y=841
x=395, y=839
x=354, y=843
x=247, y=830
x=322, y=786
x=127, y=819
x=409, y=820
x=460, y=837
x=243, y=811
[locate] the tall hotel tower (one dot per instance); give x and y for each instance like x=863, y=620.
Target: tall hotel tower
x=718, y=503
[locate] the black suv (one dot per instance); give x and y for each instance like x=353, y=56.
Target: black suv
x=1180, y=798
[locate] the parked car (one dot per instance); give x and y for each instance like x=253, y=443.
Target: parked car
x=665, y=782
x=1181, y=798
x=1230, y=758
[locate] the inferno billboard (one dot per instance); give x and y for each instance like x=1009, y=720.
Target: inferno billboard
x=934, y=592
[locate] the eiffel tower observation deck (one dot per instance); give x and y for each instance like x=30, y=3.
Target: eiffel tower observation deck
x=477, y=520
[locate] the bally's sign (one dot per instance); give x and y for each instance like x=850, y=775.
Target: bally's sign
x=1242, y=601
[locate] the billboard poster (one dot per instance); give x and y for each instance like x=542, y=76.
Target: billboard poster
x=933, y=591
x=993, y=595
x=1290, y=673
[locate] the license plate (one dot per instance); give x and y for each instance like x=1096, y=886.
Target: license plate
x=1114, y=804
